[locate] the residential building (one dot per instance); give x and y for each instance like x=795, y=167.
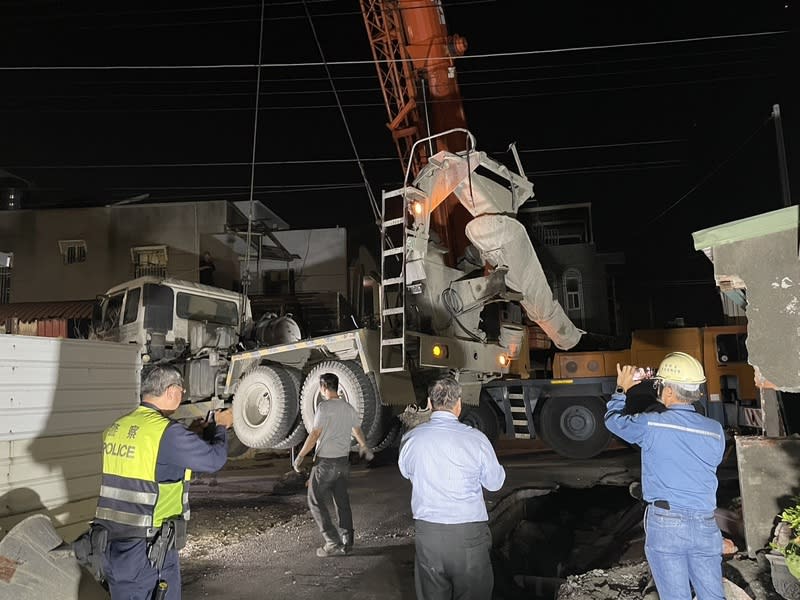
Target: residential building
x=581, y=278
x=77, y=253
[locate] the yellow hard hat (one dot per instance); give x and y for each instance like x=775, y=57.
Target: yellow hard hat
x=681, y=368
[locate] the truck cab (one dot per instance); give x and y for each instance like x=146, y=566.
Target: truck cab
x=195, y=327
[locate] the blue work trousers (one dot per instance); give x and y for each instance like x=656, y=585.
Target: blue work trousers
x=684, y=547
x=130, y=575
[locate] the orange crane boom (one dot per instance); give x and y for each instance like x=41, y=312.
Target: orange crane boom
x=414, y=56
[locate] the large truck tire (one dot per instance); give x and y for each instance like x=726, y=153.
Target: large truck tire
x=382, y=423
x=296, y=436
x=574, y=427
x=262, y=406
x=296, y=375
x=354, y=387
x=482, y=417
x=297, y=432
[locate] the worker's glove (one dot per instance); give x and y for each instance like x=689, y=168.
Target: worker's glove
x=365, y=453
x=297, y=462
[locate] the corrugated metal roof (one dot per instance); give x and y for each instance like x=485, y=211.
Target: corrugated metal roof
x=33, y=311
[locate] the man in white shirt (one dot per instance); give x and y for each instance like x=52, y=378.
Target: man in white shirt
x=449, y=464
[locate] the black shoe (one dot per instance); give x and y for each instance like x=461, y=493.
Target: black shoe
x=347, y=541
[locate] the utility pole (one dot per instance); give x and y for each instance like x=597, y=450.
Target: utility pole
x=784, y=173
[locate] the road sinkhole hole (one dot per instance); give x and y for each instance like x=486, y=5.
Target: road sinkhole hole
x=540, y=536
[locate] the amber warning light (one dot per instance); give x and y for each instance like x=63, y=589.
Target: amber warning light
x=439, y=351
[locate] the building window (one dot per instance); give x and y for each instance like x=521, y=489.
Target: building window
x=573, y=294
x=6, y=262
x=73, y=251
x=149, y=260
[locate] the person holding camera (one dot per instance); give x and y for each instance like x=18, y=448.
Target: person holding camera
x=334, y=423
x=144, y=499
x=681, y=451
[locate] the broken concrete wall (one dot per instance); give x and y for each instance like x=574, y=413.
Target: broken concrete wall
x=760, y=254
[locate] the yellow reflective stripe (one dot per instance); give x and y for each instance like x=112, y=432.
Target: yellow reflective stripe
x=114, y=493
x=118, y=516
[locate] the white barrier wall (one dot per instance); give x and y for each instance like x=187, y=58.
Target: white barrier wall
x=56, y=398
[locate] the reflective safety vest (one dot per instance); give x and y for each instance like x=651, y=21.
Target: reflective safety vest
x=130, y=495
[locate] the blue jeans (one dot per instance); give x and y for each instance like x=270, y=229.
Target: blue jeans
x=684, y=547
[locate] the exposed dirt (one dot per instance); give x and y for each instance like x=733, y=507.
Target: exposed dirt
x=251, y=536
x=744, y=579
x=621, y=583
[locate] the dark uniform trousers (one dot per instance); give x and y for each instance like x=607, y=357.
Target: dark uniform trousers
x=130, y=575
x=452, y=561
x=328, y=484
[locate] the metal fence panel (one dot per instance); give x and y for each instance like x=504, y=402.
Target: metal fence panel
x=56, y=398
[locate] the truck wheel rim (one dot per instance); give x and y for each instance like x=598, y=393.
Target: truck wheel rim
x=578, y=423
x=257, y=404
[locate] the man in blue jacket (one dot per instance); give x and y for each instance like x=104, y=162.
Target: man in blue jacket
x=680, y=454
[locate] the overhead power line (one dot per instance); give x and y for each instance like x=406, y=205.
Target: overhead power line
x=315, y=92
x=462, y=72
x=367, y=188
x=332, y=160
x=51, y=16
x=296, y=107
x=372, y=62
x=710, y=174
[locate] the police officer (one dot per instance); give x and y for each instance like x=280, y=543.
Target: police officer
x=143, y=504
x=681, y=450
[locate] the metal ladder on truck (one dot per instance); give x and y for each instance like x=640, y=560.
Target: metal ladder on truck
x=394, y=223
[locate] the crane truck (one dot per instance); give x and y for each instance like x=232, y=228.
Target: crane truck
x=452, y=252
x=458, y=272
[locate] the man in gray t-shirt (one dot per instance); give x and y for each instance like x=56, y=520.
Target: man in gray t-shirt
x=334, y=422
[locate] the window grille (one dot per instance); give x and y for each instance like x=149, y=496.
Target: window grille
x=149, y=260
x=573, y=294
x=6, y=262
x=73, y=251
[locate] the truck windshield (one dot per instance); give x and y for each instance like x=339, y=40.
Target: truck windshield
x=112, y=312
x=202, y=308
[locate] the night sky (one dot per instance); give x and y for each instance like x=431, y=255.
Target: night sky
x=663, y=139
